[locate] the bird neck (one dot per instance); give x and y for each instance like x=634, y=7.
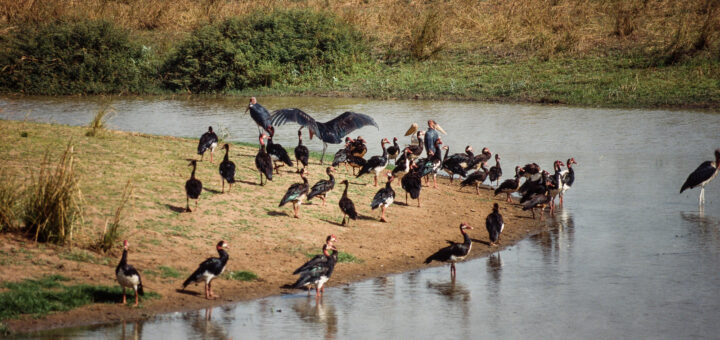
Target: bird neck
x=192, y=174
x=223, y=254
x=123, y=259
x=226, y=158
x=305, y=180
x=388, y=185
x=331, y=177
x=466, y=237
x=447, y=151
x=346, y=189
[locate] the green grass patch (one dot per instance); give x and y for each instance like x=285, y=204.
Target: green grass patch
x=47, y=294
x=169, y=272
x=79, y=255
x=242, y=275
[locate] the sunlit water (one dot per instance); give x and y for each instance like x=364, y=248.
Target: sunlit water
x=628, y=257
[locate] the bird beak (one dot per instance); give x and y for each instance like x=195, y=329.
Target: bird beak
x=439, y=128
x=412, y=129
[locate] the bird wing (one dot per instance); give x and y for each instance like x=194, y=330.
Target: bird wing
x=227, y=171
x=379, y=198
x=443, y=254
x=211, y=264
x=703, y=172
x=534, y=201
x=283, y=116
x=317, y=259
x=320, y=187
x=340, y=157
x=206, y=140
x=338, y=127
x=293, y=193
x=261, y=116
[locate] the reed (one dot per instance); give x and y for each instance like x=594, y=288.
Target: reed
x=114, y=229
x=97, y=125
x=53, y=205
x=9, y=201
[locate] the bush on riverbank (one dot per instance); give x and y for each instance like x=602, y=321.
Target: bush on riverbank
x=260, y=49
x=73, y=57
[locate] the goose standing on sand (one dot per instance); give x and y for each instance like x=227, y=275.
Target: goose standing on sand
x=510, y=185
x=193, y=187
x=263, y=161
x=702, y=176
x=332, y=131
x=412, y=183
x=431, y=165
x=384, y=197
x=539, y=199
x=402, y=164
x=394, y=150
x=346, y=205
x=417, y=149
x=261, y=116
x=322, y=187
x=455, y=252
x=453, y=165
x=494, y=224
x=278, y=154
x=209, y=269
x=476, y=178
x=128, y=276
x=568, y=178
x=227, y=170
x=302, y=154
x=296, y=193
x=479, y=161
x=318, y=274
x=376, y=163
x=208, y=140
x=495, y=171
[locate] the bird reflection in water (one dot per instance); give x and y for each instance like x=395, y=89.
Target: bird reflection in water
x=136, y=332
x=704, y=228
x=494, y=267
x=204, y=327
x=559, y=235
x=451, y=290
x=316, y=312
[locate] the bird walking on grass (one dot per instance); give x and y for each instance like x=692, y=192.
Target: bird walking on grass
x=227, y=170
x=346, y=205
x=384, y=197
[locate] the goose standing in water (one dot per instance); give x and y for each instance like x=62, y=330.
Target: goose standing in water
x=494, y=224
x=568, y=178
x=455, y=252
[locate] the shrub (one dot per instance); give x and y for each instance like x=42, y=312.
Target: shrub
x=259, y=49
x=113, y=230
x=53, y=203
x=81, y=57
x=97, y=125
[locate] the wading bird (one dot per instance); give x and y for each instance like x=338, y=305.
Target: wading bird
x=209, y=269
x=332, y=131
x=261, y=116
x=568, y=178
x=317, y=274
x=702, y=176
x=128, y=276
x=455, y=252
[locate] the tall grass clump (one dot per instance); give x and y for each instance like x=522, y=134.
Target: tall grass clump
x=262, y=48
x=114, y=229
x=74, y=57
x=97, y=125
x=9, y=201
x=53, y=207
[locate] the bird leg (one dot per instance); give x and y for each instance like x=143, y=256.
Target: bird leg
x=533, y=212
x=477, y=189
x=124, y=298
x=223, y=185
x=136, y=298
x=322, y=157
x=508, y=198
x=207, y=294
x=196, y=203
x=296, y=210
x=701, y=199
x=187, y=206
x=561, y=200
x=229, y=186
x=375, y=179
x=418, y=201
x=343, y=220
x=211, y=156
x=452, y=270
x=435, y=181
x=406, y=194
x=382, y=217
x=323, y=199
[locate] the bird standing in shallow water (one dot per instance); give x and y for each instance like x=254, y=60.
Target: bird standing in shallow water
x=702, y=176
x=568, y=178
x=208, y=140
x=209, y=269
x=318, y=274
x=193, y=187
x=317, y=260
x=455, y=252
x=128, y=276
x=494, y=224
x=227, y=170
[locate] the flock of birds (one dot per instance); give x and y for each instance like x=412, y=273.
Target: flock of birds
x=538, y=191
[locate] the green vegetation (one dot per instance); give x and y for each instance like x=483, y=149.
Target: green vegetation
x=97, y=125
x=113, y=231
x=53, y=205
x=47, y=294
x=80, y=255
x=260, y=49
x=9, y=199
x=169, y=272
x=242, y=275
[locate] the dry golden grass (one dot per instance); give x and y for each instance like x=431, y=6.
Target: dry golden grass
x=539, y=27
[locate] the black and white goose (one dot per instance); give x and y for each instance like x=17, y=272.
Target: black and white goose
x=455, y=164
x=412, y=183
x=540, y=198
x=556, y=184
x=476, y=178
x=296, y=193
x=318, y=274
x=263, y=162
x=193, y=187
x=402, y=164
x=208, y=140
x=376, y=163
x=209, y=269
x=702, y=176
x=393, y=151
x=346, y=205
x=494, y=224
x=510, y=185
x=384, y=197
x=278, y=154
x=568, y=178
x=329, y=244
x=495, y=171
x=322, y=187
x=128, y=276
x=479, y=160
x=302, y=154
x=227, y=170
x=455, y=252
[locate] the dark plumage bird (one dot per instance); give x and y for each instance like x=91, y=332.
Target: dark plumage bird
x=531, y=188
x=318, y=274
x=539, y=200
x=208, y=140
x=128, y=276
x=510, y=185
x=454, y=165
x=302, y=154
x=702, y=176
x=263, y=162
x=476, y=178
x=261, y=116
x=479, y=160
x=532, y=171
x=416, y=150
x=568, y=178
x=296, y=193
x=412, y=183
x=358, y=147
x=376, y=163
x=209, y=269
x=394, y=150
x=402, y=164
x=346, y=205
x=494, y=224
x=332, y=131
x=495, y=171
x=431, y=165
x=384, y=197
x=455, y=252
x=556, y=184
x=329, y=244
x=227, y=169
x=322, y=187
x=193, y=187
x=355, y=162
x=278, y=154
